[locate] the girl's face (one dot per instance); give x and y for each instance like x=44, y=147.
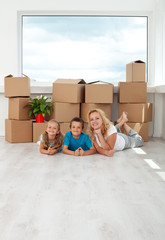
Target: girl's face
x=52, y=129
x=95, y=120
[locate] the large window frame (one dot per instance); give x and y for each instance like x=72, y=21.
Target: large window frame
x=85, y=13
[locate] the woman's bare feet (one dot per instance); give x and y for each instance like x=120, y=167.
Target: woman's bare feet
x=123, y=116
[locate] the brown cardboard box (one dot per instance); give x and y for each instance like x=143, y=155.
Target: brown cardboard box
x=69, y=90
x=64, y=112
x=99, y=93
x=135, y=71
x=132, y=92
x=38, y=129
x=65, y=127
x=17, y=86
x=86, y=107
x=137, y=112
x=17, y=109
x=140, y=128
x=18, y=131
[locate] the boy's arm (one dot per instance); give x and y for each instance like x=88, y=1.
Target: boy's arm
x=70, y=152
x=89, y=152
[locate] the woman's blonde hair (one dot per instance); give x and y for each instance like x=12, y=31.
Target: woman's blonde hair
x=105, y=126
x=59, y=138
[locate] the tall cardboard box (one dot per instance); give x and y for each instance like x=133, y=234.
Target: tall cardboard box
x=69, y=90
x=17, y=131
x=17, y=86
x=86, y=107
x=135, y=71
x=38, y=129
x=17, y=109
x=132, y=92
x=99, y=93
x=137, y=113
x=140, y=128
x=64, y=112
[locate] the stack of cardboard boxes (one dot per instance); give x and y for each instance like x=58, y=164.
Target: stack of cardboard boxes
x=18, y=126
x=133, y=98
x=97, y=95
x=67, y=96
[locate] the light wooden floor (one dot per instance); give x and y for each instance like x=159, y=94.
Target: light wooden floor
x=82, y=198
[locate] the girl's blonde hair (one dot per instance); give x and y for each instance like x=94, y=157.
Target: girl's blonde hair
x=59, y=138
x=105, y=126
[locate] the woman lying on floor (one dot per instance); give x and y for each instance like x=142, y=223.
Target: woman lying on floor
x=108, y=138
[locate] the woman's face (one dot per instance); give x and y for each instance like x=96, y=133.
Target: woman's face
x=95, y=120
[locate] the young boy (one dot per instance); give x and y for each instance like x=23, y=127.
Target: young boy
x=76, y=142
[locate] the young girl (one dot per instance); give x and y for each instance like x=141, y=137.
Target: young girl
x=52, y=139
x=108, y=138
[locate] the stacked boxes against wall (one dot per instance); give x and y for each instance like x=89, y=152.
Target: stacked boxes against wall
x=97, y=95
x=67, y=96
x=18, y=126
x=133, y=98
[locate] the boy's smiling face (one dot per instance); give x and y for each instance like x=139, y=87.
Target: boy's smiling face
x=76, y=129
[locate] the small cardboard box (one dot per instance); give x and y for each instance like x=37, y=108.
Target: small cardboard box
x=69, y=90
x=140, y=128
x=99, y=92
x=135, y=71
x=86, y=107
x=18, y=131
x=137, y=112
x=17, y=109
x=64, y=112
x=132, y=92
x=38, y=129
x=17, y=86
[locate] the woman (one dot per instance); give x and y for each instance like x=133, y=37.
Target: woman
x=108, y=138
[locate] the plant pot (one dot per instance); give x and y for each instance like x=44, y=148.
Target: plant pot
x=39, y=118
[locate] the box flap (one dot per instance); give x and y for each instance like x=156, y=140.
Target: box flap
x=139, y=61
x=70, y=81
x=99, y=82
x=9, y=76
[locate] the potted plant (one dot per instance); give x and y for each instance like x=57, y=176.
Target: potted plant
x=39, y=107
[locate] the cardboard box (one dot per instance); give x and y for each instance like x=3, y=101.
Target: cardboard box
x=137, y=112
x=86, y=107
x=135, y=71
x=64, y=112
x=18, y=131
x=132, y=92
x=69, y=90
x=17, y=86
x=38, y=129
x=98, y=92
x=17, y=109
x=140, y=128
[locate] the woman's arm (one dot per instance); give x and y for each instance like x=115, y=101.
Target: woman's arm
x=111, y=140
x=106, y=152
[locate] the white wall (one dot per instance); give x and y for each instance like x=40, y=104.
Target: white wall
x=9, y=37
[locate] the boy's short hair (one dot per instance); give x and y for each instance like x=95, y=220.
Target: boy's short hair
x=77, y=119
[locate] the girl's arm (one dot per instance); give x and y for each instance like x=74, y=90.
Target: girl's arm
x=50, y=151
x=70, y=152
x=89, y=152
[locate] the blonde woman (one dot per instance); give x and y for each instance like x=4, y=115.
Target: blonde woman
x=108, y=138
x=51, y=140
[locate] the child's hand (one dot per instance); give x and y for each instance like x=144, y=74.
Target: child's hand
x=77, y=152
x=81, y=151
x=52, y=151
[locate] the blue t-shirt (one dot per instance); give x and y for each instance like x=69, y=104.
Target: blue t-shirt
x=73, y=144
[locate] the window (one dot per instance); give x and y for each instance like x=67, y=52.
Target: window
x=88, y=47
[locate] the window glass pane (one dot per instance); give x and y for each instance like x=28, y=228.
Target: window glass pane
x=88, y=47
